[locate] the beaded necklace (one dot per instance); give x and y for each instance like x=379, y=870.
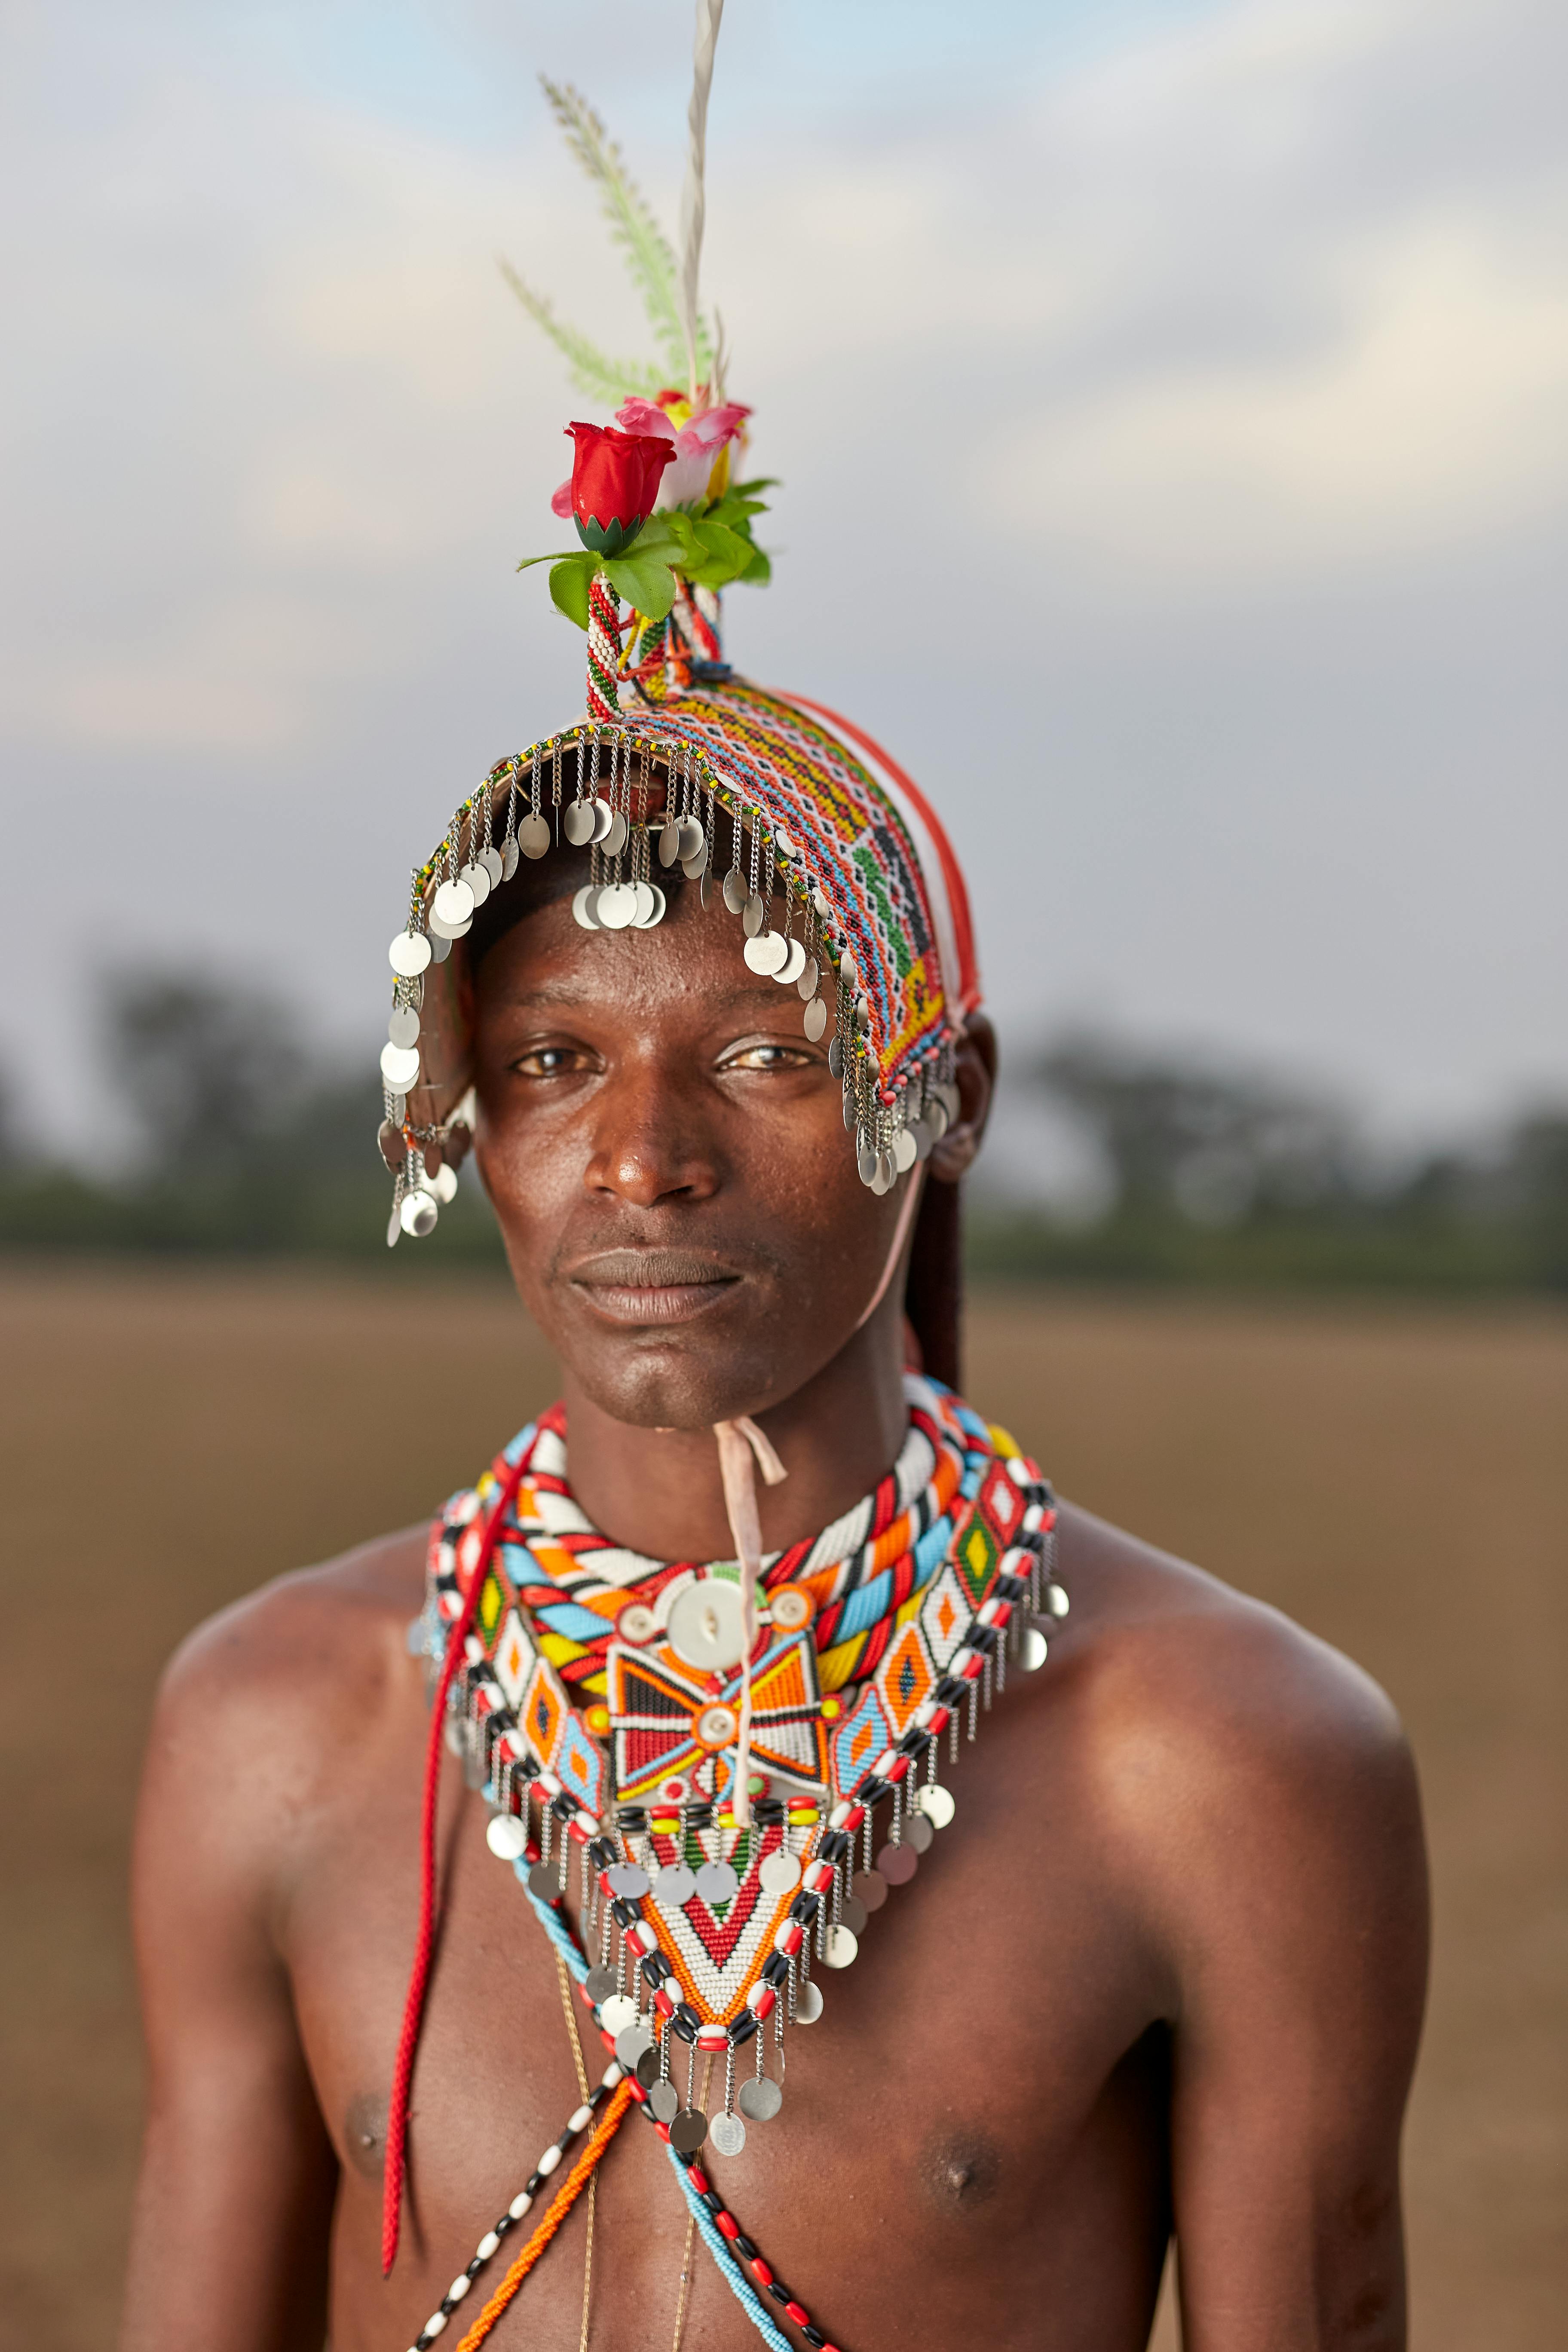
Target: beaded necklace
x=874, y=1638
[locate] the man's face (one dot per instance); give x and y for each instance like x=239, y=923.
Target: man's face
x=666, y=1156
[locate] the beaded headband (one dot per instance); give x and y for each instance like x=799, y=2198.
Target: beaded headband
x=757, y=798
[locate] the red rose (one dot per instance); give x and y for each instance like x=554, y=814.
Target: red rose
x=614, y=481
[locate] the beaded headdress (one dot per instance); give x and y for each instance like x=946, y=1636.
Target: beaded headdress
x=835, y=868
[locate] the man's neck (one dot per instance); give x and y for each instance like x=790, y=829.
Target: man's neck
x=658, y=1491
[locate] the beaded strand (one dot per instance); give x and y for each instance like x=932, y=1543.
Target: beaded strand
x=489, y=2244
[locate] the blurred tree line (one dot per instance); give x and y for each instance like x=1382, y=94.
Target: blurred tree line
x=247, y=1138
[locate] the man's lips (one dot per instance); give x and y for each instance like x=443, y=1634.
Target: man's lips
x=652, y=1285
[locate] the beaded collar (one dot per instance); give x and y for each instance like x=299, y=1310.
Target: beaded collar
x=894, y=1623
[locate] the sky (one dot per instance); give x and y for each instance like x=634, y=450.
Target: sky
x=1169, y=406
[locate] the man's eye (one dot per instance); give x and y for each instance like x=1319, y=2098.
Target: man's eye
x=767, y=1057
x=546, y=1061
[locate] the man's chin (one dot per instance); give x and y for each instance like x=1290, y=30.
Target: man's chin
x=654, y=1379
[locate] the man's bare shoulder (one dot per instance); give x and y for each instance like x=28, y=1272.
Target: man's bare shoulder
x=294, y=1670
x=1221, y=1741
x=1167, y=1651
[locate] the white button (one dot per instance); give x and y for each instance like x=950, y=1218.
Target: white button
x=705, y=1625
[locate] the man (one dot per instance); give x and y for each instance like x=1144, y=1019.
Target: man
x=1163, y=1971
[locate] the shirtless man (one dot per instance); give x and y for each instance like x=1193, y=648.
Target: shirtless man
x=1165, y=1971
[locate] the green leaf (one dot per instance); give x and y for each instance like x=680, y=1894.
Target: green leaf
x=656, y=537
x=760, y=570
x=564, y=555
x=644, y=580
x=597, y=376
x=569, y=586
x=720, y=544
x=645, y=249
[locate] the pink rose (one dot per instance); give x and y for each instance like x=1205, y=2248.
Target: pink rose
x=698, y=444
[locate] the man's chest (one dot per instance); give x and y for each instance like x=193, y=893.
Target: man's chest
x=961, y=2122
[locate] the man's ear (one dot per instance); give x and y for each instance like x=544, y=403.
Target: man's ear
x=975, y=1074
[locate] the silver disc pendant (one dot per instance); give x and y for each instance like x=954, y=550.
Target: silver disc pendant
x=706, y=1625
x=533, y=835
x=544, y=1881
x=618, y=905
x=403, y=1028
x=674, y=1885
x=935, y=1117
x=854, y=1915
x=689, y=2131
x=727, y=2135
x=898, y=1863
x=506, y=1836
x=793, y=964
x=600, y=1985
x=696, y=870
x=754, y=914
x=664, y=2100
x=841, y=1950
x=409, y=954
x=809, y=974
x=619, y=2011
x=1032, y=1650
x=924, y=1139
x=763, y=952
x=761, y=2097
x=642, y=894
x=815, y=1019
x=454, y=904
x=779, y=1873
x=399, y=1068
x=646, y=2067
x=834, y=1051
x=936, y=1803
x=690, y=840
x=440, y=946
x=870, y=1889
x=581, y=908
x=626, y=1880
x=869, y=1162
x=493, y=864
x=716, y=1883
x=632, y=2043
x=904, y=1152
x=508, y=859
x=808, y=2003
x=477, y=878
x=735, y=891
x=577, y=824
x=615, y=840
x=604, y=818
x=655, y=916
x=919, y=1832
x=669, y=842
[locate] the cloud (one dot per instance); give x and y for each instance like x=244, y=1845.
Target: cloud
x=1162, y=430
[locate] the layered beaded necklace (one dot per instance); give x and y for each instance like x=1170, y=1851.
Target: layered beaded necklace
x=698, y=1919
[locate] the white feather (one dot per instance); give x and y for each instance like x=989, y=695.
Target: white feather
x=693, y=201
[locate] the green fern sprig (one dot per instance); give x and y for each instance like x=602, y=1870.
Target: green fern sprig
x=594, y=375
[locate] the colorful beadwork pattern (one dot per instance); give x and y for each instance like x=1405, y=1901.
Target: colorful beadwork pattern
x=954, y=1543
x=946, y=1521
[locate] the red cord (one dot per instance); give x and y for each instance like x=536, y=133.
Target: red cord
x=414, y=2007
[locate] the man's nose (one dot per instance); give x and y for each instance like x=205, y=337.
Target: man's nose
x=652, y=1141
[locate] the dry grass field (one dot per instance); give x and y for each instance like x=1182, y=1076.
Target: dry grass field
x=1396, y=1480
